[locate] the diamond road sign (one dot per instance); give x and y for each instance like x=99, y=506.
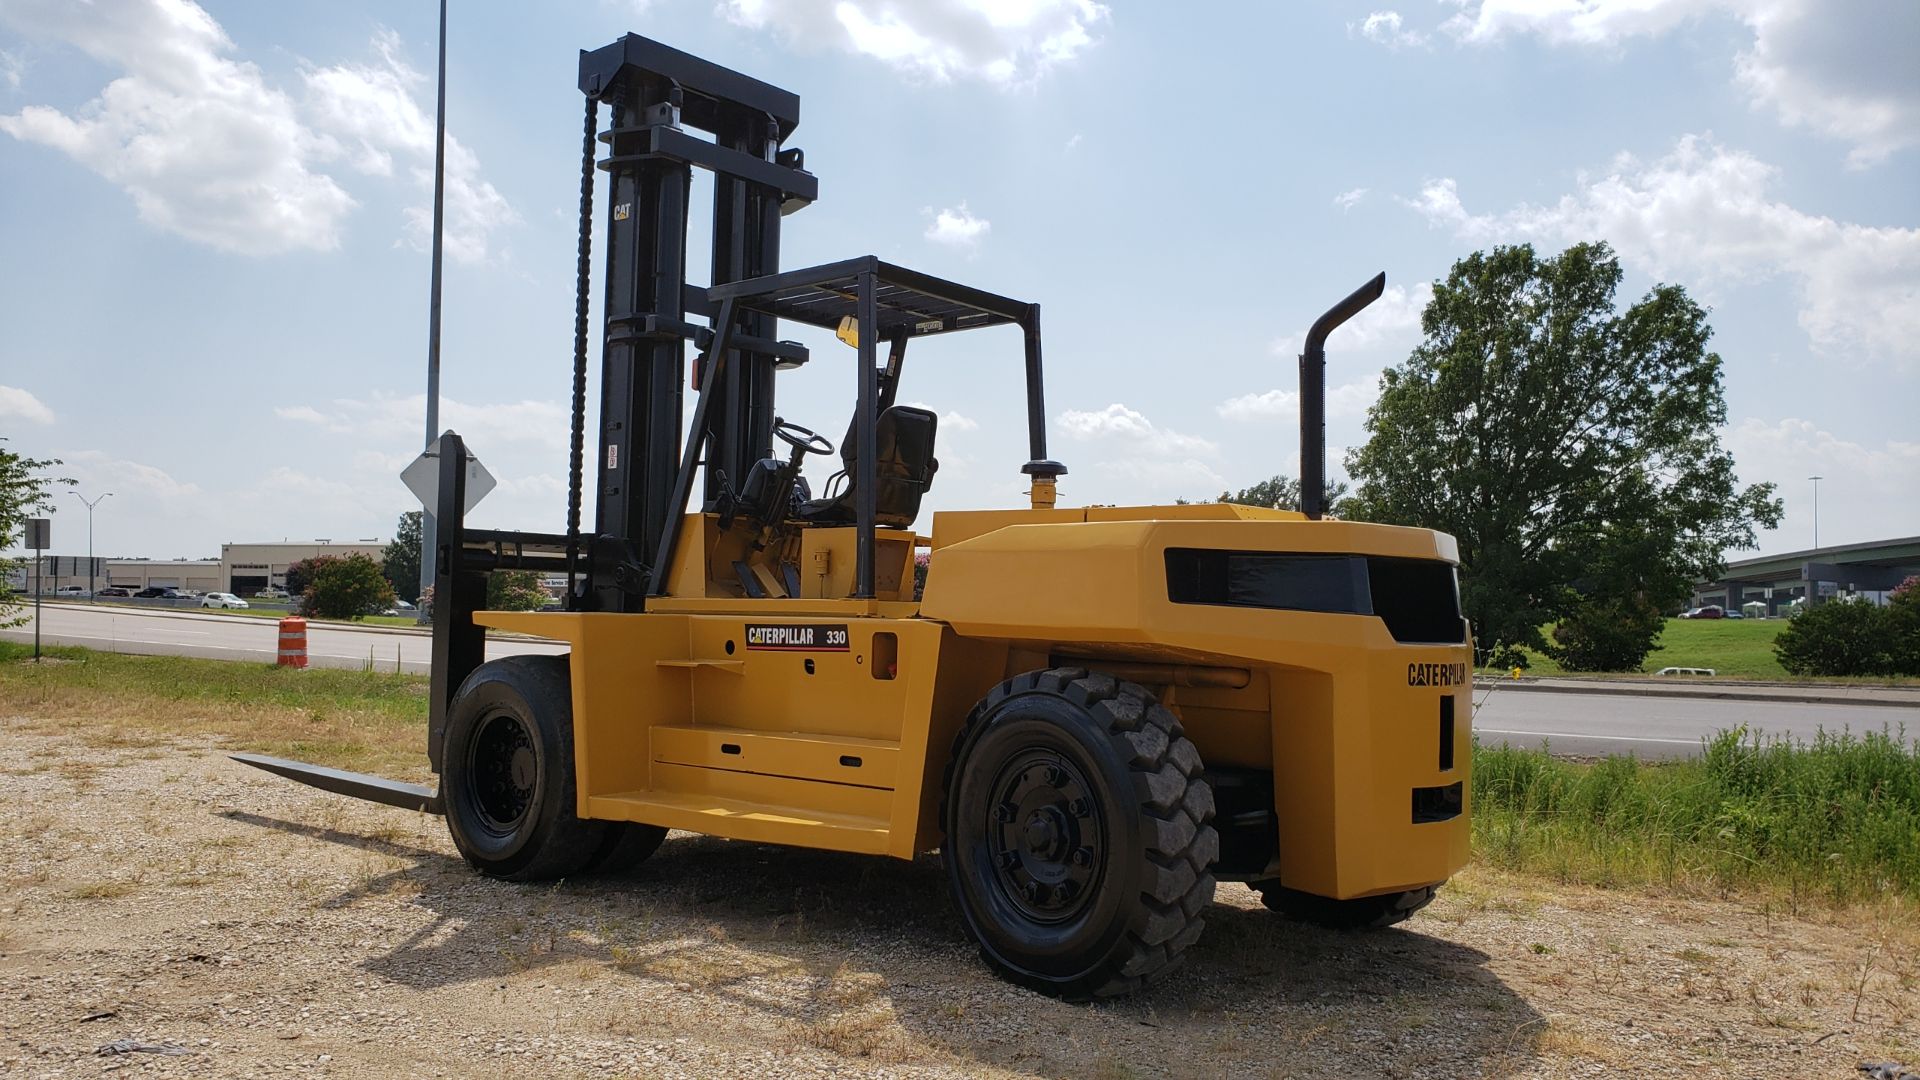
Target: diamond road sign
x=422, y=478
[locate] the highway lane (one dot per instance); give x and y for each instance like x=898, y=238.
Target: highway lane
x=1652, y=726
x=235, y=637
x=1647, y=725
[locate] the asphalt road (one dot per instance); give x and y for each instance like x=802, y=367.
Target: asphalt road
x=1650, y=726
x=235, y=637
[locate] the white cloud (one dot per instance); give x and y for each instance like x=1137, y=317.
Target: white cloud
x=1349, y=400
x=1387, y=28
x=200, y=141
x=209, y=150
x=98, y=470
x=1073, y=142
x=1843, y=68
x=12, y=67
x=999, y=41
x=18, y=404
x=372, y=108
x=1347, y=200
x=952, y=420
x=1704, y=210
x=956, y=227
x=1118, y=420
x=399, y=419
x=1867, y=492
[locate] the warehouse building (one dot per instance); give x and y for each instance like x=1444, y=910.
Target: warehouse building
x=243, y=569
x=1870, y=570
x=248, y=568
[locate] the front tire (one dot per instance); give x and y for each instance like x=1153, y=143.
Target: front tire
x=507, y=776
x=1078, y=834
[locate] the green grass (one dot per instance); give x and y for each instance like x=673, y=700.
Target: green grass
x=1838, y=819
x=1733, y=648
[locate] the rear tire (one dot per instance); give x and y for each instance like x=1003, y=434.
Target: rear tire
x=507, y=776
x=1078, y=838
x=1361, y=913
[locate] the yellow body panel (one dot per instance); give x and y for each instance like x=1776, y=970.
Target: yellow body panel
x=716, y=713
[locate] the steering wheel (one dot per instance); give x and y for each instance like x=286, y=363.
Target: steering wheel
x=800, y=438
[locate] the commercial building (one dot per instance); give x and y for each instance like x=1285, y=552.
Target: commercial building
x=1870, y=570
x=248, y=568
x=244, y=569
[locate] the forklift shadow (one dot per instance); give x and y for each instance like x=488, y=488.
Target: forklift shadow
x=791, y=937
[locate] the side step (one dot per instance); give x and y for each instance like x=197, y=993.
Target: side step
x=356, y=785
x=745, y=819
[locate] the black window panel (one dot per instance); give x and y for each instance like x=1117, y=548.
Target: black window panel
x=1438, y=803
x=1418, y=599
x=1329, y=583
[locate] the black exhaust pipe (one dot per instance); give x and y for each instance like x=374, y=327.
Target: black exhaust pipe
x=1313, y=394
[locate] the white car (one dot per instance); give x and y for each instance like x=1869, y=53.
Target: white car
x=222, y=600
x=70, y=590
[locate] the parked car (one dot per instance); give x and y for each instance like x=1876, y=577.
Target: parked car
x=1731, y=614
x=223, y=600
x=115, y=590
x=1711, y=611
x=156, y=592
x=272, y=592
x=70, y=590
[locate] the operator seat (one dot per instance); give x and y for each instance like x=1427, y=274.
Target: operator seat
x=904, y=468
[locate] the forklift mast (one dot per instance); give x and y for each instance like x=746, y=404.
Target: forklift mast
x=654, y=94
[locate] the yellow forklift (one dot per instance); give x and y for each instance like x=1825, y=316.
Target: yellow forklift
x=1093, y=713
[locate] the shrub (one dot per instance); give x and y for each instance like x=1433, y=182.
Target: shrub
x=345, y=587
x=515, y=590
x=1840, y=637
x=1607, y=635
x=1903, y=628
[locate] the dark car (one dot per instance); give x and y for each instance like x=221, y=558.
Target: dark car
x=1711, y=611
x=115, y=590
x=155, y=592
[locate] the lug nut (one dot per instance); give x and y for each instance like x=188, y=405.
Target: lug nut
x=1010, y=859
x=1003, y=813
x=1056, y=775
x=1080, y=808
x=1082, y=856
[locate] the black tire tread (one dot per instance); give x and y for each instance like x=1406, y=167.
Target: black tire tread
x=571, y=843
x=1176, y=807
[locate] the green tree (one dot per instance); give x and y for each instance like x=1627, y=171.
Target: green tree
x=1570, y=448
x=516, y=590
x=1280, y=492
x=24, y=493
x=1903, y=628
x=344, y=587
x=401, y=559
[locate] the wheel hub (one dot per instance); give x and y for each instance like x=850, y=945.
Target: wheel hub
x=505, y=770
x=1045, y=837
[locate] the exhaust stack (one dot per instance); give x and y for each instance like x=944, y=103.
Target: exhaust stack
x=1313, y=394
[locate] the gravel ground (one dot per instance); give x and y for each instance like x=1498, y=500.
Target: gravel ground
x=152, y=891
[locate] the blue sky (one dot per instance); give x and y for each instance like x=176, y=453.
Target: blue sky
x=213, y=280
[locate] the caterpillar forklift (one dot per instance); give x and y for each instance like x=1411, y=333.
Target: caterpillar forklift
x=1094, y=713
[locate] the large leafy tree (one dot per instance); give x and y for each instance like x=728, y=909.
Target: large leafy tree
x=343, y=586
x=401, y=560
x=25, y=491
x=1282, y=492
x=1571, y=448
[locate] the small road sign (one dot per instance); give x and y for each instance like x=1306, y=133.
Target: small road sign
x=422, y=477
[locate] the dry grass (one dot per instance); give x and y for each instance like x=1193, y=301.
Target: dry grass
x=349, y=719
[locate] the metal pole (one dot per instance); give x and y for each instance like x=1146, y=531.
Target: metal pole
x=93, y=584
x=37, y=557
x=428, y=550
x=1816, y=509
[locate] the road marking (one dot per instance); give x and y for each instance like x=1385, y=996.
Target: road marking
x=1573, y=735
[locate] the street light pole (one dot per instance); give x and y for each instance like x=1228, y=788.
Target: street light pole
x=428, y=532
x=1816, y=509
x=93, y=585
